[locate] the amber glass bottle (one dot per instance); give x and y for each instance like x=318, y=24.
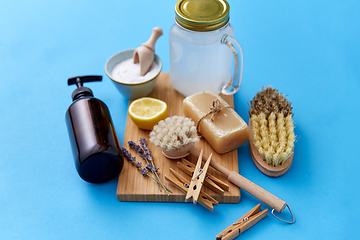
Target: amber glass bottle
x=96, y=149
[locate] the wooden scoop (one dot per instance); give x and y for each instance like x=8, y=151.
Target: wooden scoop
x=145, y=53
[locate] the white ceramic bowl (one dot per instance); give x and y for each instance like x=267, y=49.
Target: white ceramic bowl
x=131, y=90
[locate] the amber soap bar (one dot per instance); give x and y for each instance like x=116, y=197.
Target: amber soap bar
x=227, y=132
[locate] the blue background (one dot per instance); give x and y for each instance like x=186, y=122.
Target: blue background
x=309, y=50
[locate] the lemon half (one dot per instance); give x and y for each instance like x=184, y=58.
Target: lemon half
x=146, y=112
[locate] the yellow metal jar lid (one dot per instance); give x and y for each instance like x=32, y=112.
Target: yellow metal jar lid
x=202, y=15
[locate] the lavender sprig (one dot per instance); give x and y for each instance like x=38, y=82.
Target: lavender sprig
x=145, y=153
x=147, y=156
x=144, y=171
x=138, y=165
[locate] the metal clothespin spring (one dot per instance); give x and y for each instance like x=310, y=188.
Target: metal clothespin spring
x=200, y=172
x=244, y=220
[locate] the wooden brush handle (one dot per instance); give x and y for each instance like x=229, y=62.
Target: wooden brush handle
x=258, y=192
x=217, y=166
x=245, y=184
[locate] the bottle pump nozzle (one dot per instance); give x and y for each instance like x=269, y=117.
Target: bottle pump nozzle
x=83, y=91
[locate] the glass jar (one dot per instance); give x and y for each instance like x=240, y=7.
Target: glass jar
x=201, y=48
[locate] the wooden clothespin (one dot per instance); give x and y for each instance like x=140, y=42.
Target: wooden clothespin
x=197, y=179
x=243, y=224
x=182, y=184
x=210, y=181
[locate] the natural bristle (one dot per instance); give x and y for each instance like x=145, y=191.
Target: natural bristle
x=272, y=126
x=173, y=132
x=269, y=101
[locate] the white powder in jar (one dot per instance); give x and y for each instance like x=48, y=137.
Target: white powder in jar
x=129, y=72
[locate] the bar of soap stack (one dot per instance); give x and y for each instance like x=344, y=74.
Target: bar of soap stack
x=227, y=132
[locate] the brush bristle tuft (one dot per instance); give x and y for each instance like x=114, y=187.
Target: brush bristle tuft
x=173, y=132
x=272, y=126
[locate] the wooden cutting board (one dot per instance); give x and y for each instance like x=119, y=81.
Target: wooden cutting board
x=132, y=186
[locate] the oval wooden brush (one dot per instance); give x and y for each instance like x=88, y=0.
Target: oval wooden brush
x=271, y=134
x=175, y=136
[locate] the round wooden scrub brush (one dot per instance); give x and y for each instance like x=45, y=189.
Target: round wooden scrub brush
x=174, y=136
x=271, y=136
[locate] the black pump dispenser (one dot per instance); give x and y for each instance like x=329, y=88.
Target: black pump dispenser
x=83, y=91
x=96, y=149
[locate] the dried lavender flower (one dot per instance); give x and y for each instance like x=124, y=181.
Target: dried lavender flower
x=144, y=171
x=131, y=144
x=149, y=166
x=145, y=153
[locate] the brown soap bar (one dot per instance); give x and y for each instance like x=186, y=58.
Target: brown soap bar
x=228, y=130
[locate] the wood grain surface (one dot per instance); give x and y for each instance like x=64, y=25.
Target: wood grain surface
x=132, y=186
